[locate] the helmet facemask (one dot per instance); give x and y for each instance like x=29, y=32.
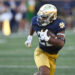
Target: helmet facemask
x=42, y=20
x=45, y=20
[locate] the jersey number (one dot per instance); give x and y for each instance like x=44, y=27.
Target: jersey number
x=43, y=42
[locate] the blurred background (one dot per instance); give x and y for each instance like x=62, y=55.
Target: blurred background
x=15, y=22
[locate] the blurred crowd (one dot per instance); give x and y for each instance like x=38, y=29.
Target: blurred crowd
x=20, y=12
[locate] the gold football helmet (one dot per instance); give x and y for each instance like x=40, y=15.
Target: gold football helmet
x=46, y=14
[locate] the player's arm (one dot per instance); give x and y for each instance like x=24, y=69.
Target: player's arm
x=31, y=31
x=29, y=38
x=58, y=40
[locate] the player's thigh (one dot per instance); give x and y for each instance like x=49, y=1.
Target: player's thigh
x=40, y=58
x=52, y=66
x=52, y=61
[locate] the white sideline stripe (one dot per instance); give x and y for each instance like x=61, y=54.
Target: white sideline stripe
x=32, y=66
x=28, y=52
x=2, y=41
x=69, y=47
x=16, y=66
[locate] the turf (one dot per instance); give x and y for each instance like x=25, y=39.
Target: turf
x=16, y=59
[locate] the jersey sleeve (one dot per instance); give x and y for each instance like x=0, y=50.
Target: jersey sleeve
x=34, y=22
x=61, y=26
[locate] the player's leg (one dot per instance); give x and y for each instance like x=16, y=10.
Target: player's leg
x=43, y=70
x=42, y=62
x=52, y=62
x=52, y=67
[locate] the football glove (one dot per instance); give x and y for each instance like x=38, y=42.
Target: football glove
x=44, y=36
x=28, y=41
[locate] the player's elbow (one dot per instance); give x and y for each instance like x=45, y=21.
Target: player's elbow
x=61, y=44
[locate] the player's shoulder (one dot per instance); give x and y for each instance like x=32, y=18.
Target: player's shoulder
x=59, y=20
x=60, y=23
x=34, y=19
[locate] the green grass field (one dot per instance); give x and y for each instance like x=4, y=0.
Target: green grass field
x=16, y=59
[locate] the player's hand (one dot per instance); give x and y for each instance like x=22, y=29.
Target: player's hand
x=28, y=41
x=28, y=44
x=44, y=36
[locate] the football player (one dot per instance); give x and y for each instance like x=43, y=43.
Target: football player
x=46, y=53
